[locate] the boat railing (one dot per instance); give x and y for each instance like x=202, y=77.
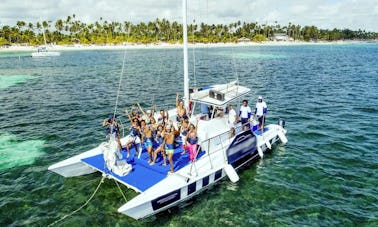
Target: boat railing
x=215, y=144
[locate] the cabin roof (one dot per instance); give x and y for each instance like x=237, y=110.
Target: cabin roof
x=220, y=95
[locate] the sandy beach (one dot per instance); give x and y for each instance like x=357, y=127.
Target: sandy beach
x=167, y=45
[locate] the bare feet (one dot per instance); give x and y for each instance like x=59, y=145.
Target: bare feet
x=164, y=164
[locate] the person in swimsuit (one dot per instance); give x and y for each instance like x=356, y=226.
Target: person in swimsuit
x=146, y=131
x=163, y=118
x=181, y=111
x=159, y=139
x=134, y=134
x=112, y=129
x=191, y=142
x=148, y=115
x=169, y=140
x=184, y=129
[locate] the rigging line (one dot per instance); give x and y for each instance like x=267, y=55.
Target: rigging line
x=119, y=83
x=75, y=211
x=234, y=70
x=120, y=190
x=194, y=58
x=158, y=79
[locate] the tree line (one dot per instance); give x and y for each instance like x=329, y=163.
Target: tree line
x=71, y=31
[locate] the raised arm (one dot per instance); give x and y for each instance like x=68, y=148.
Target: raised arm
x=177, y=100
x=166, y=114
x=105, y=122
x=141, y=109
x=153, y=110
x=128, y=114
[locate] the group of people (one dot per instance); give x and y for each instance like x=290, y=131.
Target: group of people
x=160, y=135
x=245, y=115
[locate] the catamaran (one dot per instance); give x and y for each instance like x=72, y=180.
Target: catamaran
x=42, y=50
x=220, y=155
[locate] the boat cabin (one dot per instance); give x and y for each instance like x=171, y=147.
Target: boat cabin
x=204, y=105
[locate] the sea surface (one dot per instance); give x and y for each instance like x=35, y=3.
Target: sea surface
x=327, y=174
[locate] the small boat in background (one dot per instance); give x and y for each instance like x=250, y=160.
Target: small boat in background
x=43, y=52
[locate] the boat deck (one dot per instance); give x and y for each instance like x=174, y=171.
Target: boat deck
x=143, y=175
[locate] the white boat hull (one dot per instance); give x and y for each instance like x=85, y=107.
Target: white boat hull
x=73, y=166
x=178, y=187
x=45, y=54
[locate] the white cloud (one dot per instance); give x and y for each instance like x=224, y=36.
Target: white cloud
x=321, y=13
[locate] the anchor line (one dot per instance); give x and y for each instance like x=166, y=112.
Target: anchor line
x=120, y=190
x=82, y=206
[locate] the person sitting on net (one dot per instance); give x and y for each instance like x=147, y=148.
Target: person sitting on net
x=134, y=134
x=159, y=139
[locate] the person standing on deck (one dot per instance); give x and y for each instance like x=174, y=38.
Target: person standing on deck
x=146, y=131
x=260, y=112
x=169, y=140
x=148, y=114
x=181, y=111
x=232, y=120
x=112, y=129
x=164, y=117
x=245, y=114
x=191, y=142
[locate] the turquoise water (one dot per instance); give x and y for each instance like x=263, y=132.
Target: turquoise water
x=326, y=174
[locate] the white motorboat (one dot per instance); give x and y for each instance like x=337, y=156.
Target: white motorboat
x=221, y=153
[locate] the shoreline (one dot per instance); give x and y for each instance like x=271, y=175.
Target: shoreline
x=161, y=45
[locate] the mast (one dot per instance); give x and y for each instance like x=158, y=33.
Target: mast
x=185, y=48
x=44, y=36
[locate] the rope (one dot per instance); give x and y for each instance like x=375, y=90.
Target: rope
x=75, y=211
x=120, y=190
x=119, y=83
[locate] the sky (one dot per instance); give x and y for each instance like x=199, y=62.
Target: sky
x=325, y=14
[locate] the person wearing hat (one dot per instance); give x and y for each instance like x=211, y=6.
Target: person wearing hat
x=260, y=112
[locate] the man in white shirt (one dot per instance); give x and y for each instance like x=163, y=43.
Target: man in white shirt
x=245, y=114
x=260, y=112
